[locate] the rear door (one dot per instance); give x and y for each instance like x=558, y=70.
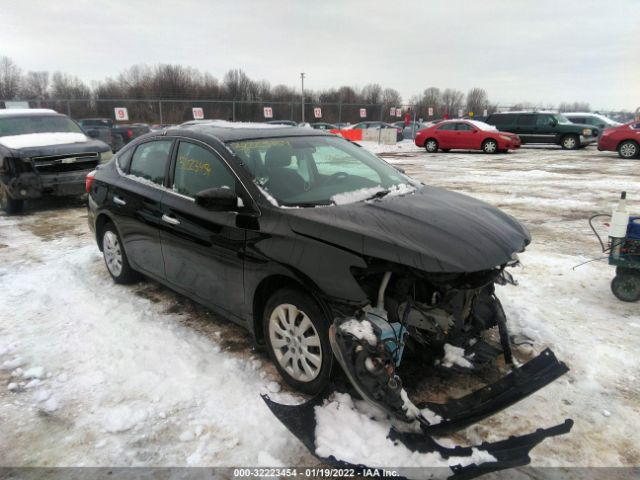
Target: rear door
x=135, y=200
x=526, y=128
x=202, y=249
x=445, y=134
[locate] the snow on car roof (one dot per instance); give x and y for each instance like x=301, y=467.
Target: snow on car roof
x=10, y=112
x=477, y=123
x=232, y=125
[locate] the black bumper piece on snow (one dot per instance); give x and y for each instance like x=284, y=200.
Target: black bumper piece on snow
x=484, y=402
x=457, y=414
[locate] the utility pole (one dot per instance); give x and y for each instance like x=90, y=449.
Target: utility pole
x=302, y=79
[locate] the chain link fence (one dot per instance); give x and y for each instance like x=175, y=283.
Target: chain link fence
x=164, y=111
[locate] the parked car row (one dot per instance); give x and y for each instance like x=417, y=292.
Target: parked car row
x=115, y=135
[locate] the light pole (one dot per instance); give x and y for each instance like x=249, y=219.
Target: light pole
x=302, y=79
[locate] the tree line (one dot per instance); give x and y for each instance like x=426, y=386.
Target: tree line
x=182, y=87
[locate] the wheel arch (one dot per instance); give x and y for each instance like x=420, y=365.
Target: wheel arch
x=424, y=144
x=101, y=221
x=626, y=140
x=268, y=286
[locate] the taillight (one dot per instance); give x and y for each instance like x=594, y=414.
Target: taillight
x=129, y=133
x=88, y=181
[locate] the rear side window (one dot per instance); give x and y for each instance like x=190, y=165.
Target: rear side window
x=503, y=119
x=150, y=160
x=526, y=120
x=579, y=119
x=463, y=126
x=447, y=126
x=124, y=159
x=199, y=169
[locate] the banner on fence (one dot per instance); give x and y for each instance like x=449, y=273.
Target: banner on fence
x=363, y=113
x=317, y=112
x=268, y=112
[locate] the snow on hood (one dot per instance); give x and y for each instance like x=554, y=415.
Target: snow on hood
x=42, y=139
x=364, y=193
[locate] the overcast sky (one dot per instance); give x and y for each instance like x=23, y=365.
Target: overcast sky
x=538, y=51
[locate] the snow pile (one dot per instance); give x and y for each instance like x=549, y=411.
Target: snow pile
x=42, y=139
x=361, y=329
x=454, y=356
x=353, y=436
x=120, y=373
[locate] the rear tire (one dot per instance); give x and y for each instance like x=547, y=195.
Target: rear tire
x=628, y=149
x=297, y=336
x=8, y=204
x=570, y=142
x=431, y=145
x=490, y=146
x=115, y=257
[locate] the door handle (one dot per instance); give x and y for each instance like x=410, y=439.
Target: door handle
x=170, y=220
x=118, y=200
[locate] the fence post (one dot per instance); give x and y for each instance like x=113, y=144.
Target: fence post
x=160, y=110
x=68, y=108
x=233, y=111
x=380, y=130
x=291, y=104
x=339, y=112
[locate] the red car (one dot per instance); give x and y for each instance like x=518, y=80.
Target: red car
x=466, y=135
x=624, y=139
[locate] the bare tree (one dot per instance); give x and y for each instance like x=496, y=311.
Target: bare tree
x=10, y=79
x=574, y=107
x=477, y=100
x=391, y=97
x=35, y=85
x=371, y=93
x=452, y=101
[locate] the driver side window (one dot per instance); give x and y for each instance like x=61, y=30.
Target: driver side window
x=198, y=169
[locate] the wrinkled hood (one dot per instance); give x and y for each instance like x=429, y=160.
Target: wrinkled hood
x=432, y=230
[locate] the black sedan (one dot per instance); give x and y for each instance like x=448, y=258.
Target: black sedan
x=284, y=229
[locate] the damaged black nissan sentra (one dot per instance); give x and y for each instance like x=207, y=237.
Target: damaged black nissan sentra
x=330, y=256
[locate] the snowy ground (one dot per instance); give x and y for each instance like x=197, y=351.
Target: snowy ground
x=97, y=374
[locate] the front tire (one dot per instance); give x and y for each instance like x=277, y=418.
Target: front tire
x=490, y=146
x=628, y=149
x=431, y=145
x=570, y=142
x=8, y=204
x=297, y=337
x=115, y=257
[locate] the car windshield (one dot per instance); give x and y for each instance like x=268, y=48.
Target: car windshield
x=311, y=171
x=37, y=124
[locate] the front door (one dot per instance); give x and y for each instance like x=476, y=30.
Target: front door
x=202, y=249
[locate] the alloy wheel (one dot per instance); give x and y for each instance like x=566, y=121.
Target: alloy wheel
x=490, y=146
x=569, y=143
x=431, y=146
x=296, y=343
x=628, y=150
x=112, y=253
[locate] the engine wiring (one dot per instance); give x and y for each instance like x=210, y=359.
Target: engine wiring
x=593, y=229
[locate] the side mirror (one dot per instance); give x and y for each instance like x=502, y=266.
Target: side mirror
x=218, y=199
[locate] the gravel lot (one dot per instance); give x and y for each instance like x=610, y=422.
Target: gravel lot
x=139, y=375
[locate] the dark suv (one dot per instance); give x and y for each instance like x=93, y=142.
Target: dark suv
x=545, y=127
x=43, y=153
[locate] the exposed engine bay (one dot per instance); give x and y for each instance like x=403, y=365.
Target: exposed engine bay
x=436, y=320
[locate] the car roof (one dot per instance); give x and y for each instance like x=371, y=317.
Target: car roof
x=19, y=112
x=527, y=111
x=234, y=131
